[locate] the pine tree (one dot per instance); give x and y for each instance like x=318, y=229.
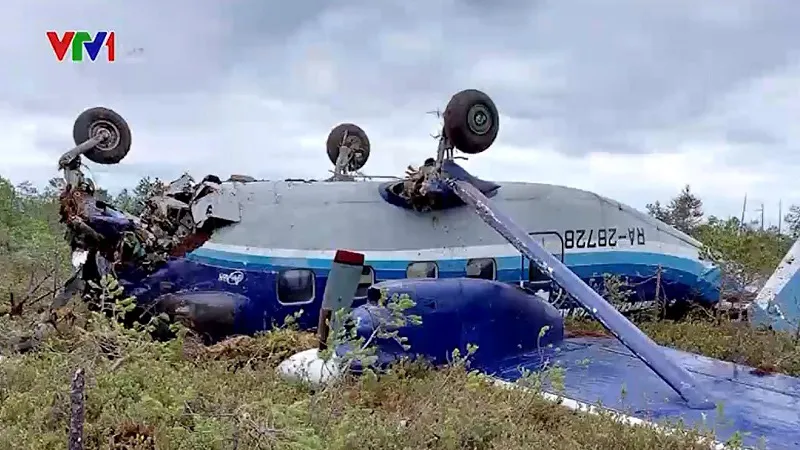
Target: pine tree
x=684, y=212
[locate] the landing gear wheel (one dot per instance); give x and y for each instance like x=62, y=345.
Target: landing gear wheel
x=356, y=139
x=471, y=121
x=112, y=150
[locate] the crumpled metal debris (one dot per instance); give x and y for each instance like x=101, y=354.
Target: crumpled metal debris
x=169, y=225
x=416, y=185
x=241, y=178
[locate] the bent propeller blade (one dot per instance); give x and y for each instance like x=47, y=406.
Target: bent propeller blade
x=339, y=291
x=632, y=337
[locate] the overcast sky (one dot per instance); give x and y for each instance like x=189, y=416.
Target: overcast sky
x=629, y=98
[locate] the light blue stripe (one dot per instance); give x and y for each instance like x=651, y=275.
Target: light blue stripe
x=456, y=266
x=649, y=259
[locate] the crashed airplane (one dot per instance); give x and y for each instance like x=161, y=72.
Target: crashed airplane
x=267, y=244
x=491, y=264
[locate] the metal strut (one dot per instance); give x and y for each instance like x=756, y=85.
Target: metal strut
x=632, y=337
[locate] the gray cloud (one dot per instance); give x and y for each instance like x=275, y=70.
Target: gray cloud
x=254, y=86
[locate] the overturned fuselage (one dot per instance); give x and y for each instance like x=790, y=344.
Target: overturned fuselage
x=271, y=243
x=252, y=252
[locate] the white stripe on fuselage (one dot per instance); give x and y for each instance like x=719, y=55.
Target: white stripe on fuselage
x=445, y=253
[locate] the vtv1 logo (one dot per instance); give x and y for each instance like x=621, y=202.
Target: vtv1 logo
x=79, y=40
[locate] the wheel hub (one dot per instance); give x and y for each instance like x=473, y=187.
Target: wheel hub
x=100, y=127
x=479, y=119
x=355, y=144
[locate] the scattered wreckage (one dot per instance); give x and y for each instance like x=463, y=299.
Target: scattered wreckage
x=173, y=222
x=176, y=219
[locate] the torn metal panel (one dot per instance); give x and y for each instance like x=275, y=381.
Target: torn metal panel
x=183, y=186
x=164, y=204
x=220, y=202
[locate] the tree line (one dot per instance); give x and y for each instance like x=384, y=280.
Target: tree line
x=746, y=251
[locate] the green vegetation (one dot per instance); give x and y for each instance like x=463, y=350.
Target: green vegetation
x=33, y=255
x=746, y=252
x=180, y=394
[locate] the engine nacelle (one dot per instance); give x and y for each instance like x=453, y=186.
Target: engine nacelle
x=501, y=319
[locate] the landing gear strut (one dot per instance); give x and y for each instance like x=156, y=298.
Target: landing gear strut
x=348, y=149
x=471, y=124
x=101, y=135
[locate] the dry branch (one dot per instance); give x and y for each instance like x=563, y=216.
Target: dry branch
x=77, y=412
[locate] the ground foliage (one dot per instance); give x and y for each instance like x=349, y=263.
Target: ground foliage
x=180, y=394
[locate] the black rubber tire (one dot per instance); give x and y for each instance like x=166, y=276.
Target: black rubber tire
x=471, y=140
x=335, y=140
x=92, y=117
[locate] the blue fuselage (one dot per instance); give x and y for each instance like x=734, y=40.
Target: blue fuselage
x=256, y=279
x=275, y=256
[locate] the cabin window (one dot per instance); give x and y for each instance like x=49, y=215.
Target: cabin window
x=553, y=243
x=367, y=280
x=296, y=286
x=425, y=269
x=535, y=275
x=485, y=268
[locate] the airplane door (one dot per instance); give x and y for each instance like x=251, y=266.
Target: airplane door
x=531, y=278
